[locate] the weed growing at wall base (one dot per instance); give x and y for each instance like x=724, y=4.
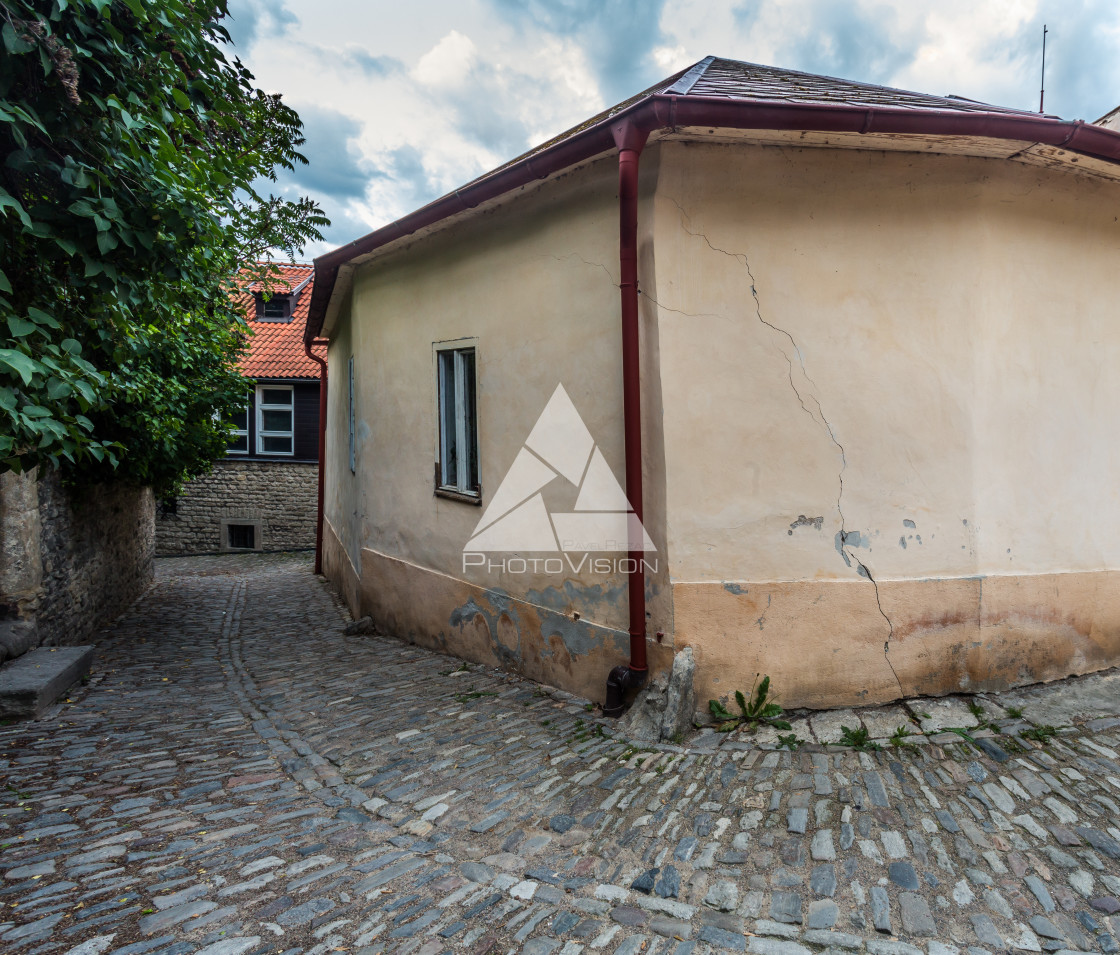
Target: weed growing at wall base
x=758, y=709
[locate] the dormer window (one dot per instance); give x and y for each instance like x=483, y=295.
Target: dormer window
x=278, y=308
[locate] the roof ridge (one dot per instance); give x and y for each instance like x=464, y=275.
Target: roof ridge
x=686, y=82
x=860, y=84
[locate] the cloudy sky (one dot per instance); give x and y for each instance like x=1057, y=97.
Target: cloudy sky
x=404, y=100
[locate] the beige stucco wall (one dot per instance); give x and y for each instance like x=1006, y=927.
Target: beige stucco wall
x=533, y=286
x=913, y=350
x=934, y=332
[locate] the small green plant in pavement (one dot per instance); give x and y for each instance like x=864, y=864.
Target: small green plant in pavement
x=898, y=737
x=857, y=738
x=759, y=708
x=474, y=695
x=790, y=741
x=1041, y=734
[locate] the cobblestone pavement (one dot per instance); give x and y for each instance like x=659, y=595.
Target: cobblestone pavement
x=241, y=776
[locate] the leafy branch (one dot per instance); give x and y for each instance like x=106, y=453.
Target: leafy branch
x=130, y=202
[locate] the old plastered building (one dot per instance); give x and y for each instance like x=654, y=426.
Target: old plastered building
x=848, y=350
x=262, y=495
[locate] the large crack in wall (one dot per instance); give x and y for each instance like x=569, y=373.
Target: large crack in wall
x=845, y=551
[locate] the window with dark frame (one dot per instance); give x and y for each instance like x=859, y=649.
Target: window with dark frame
x=275, y=419
x=278, y=308
x=239, y=432
x=458, y=422
x=241, y=536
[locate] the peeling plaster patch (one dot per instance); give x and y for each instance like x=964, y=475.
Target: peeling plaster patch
x=803, y=521
x=902, y=542
x=501, y=604
x=850, y=539
x=735, y=589
x=579, y=638
x=573, y=596
x=909, y=523
x=463, y=615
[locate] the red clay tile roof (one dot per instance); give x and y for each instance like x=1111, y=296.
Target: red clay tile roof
x=276, y=348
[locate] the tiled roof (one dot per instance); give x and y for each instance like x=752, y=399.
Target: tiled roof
x=720, y=78
x=276, y=348
x=714, y=76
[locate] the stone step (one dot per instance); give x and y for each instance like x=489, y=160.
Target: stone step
x=32, y=682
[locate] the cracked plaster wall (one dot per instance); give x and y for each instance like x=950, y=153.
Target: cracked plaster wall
x=533, y=285
x=914, y=348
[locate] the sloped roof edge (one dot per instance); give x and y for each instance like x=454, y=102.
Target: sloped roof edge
x=669, y=110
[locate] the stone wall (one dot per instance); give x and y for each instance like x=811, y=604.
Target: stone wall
x=278, y=499
x=72, y=560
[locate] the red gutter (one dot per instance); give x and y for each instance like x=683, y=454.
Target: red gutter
x=322, y=362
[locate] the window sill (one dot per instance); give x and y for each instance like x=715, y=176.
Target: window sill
x=462, y=496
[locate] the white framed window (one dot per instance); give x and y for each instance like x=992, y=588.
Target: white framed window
x=239, y=432
x=457, y=470
x=275, y=419
x=353, y=462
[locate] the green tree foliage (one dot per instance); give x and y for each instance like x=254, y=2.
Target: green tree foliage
x=132, y=154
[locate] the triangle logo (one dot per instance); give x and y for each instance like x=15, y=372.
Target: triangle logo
x=559, y=447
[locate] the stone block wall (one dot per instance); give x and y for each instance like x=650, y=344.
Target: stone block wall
x=72, y=561
x=278, y=498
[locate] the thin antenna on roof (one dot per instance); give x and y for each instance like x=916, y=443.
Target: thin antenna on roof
x=1042, y=92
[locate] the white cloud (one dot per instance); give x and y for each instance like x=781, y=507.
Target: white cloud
x=671, y=59
x=448, y=63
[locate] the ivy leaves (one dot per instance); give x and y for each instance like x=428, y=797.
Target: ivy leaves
x=130, y=151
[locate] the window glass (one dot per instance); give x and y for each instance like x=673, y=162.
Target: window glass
x=276, y=396
x=239, y=432
x=275, y=420
x=458, y=420
x=273, y=444
x=277, y=307
x=272, y=420
x=448, y=450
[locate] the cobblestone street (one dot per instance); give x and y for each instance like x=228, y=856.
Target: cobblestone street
x=241, y=776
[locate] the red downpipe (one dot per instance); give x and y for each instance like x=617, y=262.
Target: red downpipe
x=322, y=362
x=630, y=139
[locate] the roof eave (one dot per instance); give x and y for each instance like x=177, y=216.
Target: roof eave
x=660, y=111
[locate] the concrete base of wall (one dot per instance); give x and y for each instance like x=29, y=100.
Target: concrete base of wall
x=489, y=627
x=338, y=568
x=832, y=643
x=823, y=643
x=278, y=499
